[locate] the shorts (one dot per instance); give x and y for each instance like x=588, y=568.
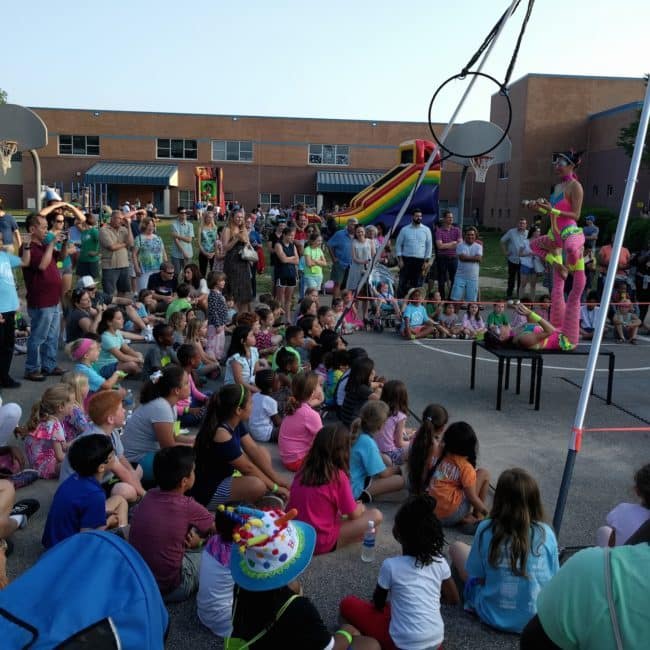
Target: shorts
x=397, y=455
x=455, y=518
x=107, y=370
x=189, y=579
x=527, y=270
x=223, y=494
x=109, y=485
x=116, y=280
x=88, y=268
x=464, y=289
x=339, y=274
x=294, y=465
x=287, y=283
x=312, y=281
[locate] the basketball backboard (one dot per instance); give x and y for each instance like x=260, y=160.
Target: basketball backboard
x=22, y=125
x=472, y=138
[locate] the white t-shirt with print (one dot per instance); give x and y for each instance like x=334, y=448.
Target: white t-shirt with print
x=259, y=423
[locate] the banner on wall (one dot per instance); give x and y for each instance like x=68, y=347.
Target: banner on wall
x=209, y=186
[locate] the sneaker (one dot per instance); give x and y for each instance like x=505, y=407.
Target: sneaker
x=148, y=334
x=26, y=508
x=26, y=477
x=365, y=497
x=20, y=349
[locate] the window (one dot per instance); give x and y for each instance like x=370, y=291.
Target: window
x=491, y=212
x=329, y=154
x=499, y=215
x=79, y=145
x=308, y=200
x=232, y=150
x=504, y=171
x=594, y=190
x=171, y=148
x=610, y=190
x=186, y=199
x=268, y=200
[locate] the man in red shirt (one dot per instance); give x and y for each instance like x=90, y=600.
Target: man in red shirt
x=43, y=284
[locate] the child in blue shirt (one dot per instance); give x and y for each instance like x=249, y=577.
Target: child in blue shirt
x=416, y=323
x=371, y=472
x=84, y=352
x=80, y=503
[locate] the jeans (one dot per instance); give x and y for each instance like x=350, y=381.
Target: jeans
x=446, y=265
x=410, y=274
x=464, y=289
x=7, y=341
x=43, y=340
x=513, y=278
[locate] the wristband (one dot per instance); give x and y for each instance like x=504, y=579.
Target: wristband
x=275, y=488
x=346, y=635
x=556, y=212
x=186, y=410
x=534, y=317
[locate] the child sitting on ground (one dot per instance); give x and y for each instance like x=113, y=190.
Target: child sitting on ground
x=288, y=368
x=626, y=322
x=196, y=333
x=45, y=443
x=418, y=580
x=336, y=363
x=161, y=353
x=626, y=518
x=473, y=326
x=266, y=340
x=457, y=486
x=326, y=317
x=588, y=315
x=192, y=409
x=264, y=422
x=370, y=473
x=311, y=330
x=84, y=352
x=295, y=338
x=351, y=320
x=426, y=447
x=393, y=438
x=107, y=417
x=416, y=324
x=166, y=523
x=178, y=323
x=217, y=315
x=362, y=385
x=182, y=301
x=519, y=321
x=75, y=423
x=513, y=556
x=498, y=318
x=449, y=325
x=80, y=503
x=322, y=494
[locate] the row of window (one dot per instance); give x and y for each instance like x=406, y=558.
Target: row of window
x=186, y=199
x=222, y=150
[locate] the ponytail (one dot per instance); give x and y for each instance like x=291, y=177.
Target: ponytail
x=434, y=418
x=48, y=406
x=161, y=384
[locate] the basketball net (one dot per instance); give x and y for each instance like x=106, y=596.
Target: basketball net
x=480, y=165
x=7, y=149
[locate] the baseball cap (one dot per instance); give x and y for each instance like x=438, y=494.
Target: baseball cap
x=590, y=217
x=86, y=282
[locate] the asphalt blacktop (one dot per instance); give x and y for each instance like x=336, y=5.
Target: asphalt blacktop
x=438, y=371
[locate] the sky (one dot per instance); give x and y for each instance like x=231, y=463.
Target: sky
x=352, y=59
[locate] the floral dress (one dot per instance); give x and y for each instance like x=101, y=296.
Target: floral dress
x=40, y=450
x=75, y=424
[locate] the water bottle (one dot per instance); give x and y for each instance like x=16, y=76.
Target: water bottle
x=368, y=546
x=129, y=400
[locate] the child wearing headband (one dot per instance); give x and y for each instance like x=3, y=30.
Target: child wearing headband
x=84, y=352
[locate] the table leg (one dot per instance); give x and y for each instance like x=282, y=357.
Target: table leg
x=519, y=360
x=610, y=377
x=538, y=381
x=472, y=374
x=533, y=372
x=507, y=385
x=500, y=383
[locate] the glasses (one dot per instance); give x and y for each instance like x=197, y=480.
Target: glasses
x=60, y=221
x=168, y=271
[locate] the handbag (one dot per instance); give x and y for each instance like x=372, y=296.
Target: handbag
x=248, y=254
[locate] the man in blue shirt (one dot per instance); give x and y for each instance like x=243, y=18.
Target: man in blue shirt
x=340, y=247
x=9, y=230
x=413, y=249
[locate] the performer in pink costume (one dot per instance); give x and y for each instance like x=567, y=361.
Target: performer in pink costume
x=564, y=211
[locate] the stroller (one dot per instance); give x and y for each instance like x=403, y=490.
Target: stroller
x=384, y=310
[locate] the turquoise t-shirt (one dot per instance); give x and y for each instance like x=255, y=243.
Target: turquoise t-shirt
x=95, y=380
x=365, y=461
x=506, y=601
x=109, y=342
x=417, y=315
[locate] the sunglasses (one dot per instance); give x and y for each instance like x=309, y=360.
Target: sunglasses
x=60, y=221
x=559, y=160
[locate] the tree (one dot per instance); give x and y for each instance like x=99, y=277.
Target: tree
x=627, y=137
x=3, y=96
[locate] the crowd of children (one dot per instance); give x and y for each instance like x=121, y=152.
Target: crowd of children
x=189, y=470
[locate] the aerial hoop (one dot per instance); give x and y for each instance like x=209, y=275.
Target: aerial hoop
x=502, y=91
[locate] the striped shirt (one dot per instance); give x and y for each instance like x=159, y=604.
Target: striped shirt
x=445, y=236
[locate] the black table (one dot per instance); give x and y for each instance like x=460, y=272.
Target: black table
x=506, y=355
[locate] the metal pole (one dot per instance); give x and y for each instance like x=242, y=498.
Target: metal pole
x=461, y=196
x=576, y=433
x=37, y=179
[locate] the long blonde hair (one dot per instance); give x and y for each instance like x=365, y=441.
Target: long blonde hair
x=192, y=330
x=77, y=382
x=52, y=399
x=372, y=417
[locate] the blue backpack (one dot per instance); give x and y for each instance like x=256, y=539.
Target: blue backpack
x=92, y=590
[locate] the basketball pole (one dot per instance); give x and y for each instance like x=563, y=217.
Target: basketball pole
x=37, y=179
x=575, y=439
x=461, y=196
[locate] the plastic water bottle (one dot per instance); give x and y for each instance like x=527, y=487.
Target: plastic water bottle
x=129, y=400
x=368, y=546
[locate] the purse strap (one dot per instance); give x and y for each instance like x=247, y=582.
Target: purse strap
x=260, y=634
x=610, y=600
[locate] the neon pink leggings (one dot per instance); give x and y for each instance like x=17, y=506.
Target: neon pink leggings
x=573, y=246
x=565, y=317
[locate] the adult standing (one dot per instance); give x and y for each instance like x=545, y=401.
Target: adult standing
x=208, y=241
x=591, y=232
x=340, y=248
x=238, y=271
x=287, y=256
x=148, y=253
x=9, y=230
x=43, y=284
x=448, y=236
x=182, y=238
x=88, y=262
x=413, y=248
x=8, y=307
x=470, y=256
x=115, y=239
x=274, y=238
x=511, y=244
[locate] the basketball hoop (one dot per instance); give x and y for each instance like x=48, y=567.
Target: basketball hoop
x=480, y=165
x=7, y=149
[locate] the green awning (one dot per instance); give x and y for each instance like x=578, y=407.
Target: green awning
x=348, y=181
x=121, y=173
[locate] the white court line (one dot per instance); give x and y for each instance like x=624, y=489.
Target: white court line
x=526, y=364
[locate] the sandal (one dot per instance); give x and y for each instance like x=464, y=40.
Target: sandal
x=633, y=341
x=620, y=340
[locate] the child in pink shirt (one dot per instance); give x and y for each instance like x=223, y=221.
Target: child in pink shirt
x=393, y=439
x=301, y=423
x=322, y=494
x=191, y=410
